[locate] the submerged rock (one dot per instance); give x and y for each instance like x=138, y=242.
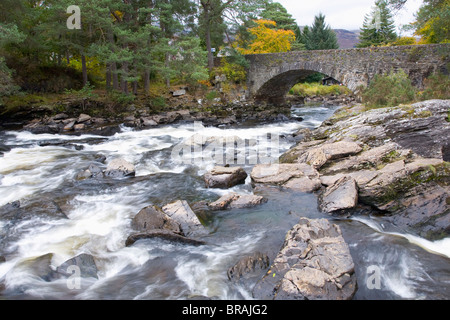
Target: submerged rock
x=164, y=235
x=225, y=177
x=313, y=264
x=85, y=264
x=247, y=265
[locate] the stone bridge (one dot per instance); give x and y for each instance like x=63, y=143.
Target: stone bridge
x=271, y=76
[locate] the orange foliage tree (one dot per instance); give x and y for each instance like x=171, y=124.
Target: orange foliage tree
x=268, y=39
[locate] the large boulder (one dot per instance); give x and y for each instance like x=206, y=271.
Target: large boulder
x=225, y=177
x=181, y=212
x=313, y=264
x=151, y=218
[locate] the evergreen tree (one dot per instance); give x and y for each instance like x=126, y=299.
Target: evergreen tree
x=275, y=11
x=378, y=28
x=319, y=36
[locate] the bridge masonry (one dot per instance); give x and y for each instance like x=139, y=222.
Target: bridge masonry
x=271, y=76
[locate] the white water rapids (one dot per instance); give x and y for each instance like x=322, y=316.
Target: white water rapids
x=99, y=215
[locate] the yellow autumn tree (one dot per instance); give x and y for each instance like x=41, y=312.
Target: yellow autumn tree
x=268, y=39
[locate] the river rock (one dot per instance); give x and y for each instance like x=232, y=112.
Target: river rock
x=44, y=207
x=225, y=177
x=181, y=212
x=297, y=176
x=236, y=201
x=83, y=118
x=179, y=93
x=313, y=264
x=424, y=209
x=39, y=267
x=79, y=127
x=120, y=168
x=60, y=116
x=427, y=132
x=343, y=194
x=151, y=218
x=148, y=122
x=395, y=179
x=248, y=264
x=69, y=126
x=85, y=263
x=164, y=235
x=318, y=156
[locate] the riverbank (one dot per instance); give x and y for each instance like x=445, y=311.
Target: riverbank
x=101, y=113
x=387, y=162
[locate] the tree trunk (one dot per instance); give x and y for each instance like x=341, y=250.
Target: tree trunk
x=146, y=82
x=208, y=43
x=84, y=70
x=135, y=88
x=115, y=76
x=123, y=81
x=108, y=76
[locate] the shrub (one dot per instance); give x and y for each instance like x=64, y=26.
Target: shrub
x=234, y=72
x=212, y=95
x=437, y=86
x=389, y=90
x=317, y=89
x=121, y=98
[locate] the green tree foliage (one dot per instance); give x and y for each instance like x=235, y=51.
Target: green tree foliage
x=9, y=36
x=433, y=21
x=319, y=36
x=378, y=28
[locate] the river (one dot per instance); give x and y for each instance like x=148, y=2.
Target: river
x=40, y=171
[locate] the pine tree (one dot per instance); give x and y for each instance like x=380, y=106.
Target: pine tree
x=378, y=28
x=275, y=11
x=320, y=36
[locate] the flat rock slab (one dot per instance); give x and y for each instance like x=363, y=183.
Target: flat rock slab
x=320, y=155
x=279, y=174
x=236, y=201
x=343, y=194
x=313, y=264
x=225, y=177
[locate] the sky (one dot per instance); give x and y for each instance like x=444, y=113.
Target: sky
x=344, y=14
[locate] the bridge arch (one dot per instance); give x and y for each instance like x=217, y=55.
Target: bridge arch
x=271, y=76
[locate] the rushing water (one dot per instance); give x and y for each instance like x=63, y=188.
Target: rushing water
x=40, y=173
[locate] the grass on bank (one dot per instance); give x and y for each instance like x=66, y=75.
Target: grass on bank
x=317, y=89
